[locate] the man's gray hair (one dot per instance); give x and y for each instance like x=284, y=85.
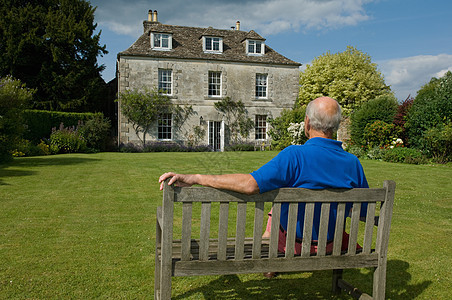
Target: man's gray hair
x=320, y=120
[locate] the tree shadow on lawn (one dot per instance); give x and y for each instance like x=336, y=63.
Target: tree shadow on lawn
x=318, y=285
x=39, y=161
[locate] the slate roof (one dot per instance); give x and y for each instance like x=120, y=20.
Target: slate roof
x=187, y=44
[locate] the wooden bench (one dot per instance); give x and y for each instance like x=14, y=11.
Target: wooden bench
x=238, y=255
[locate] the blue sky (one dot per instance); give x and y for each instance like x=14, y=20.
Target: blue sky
x=410, y=41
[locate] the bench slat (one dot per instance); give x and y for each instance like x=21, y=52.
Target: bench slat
x=186, y=230
x=223, y=230
x=368, y=230
x=257, y=234
x=204, y=194
x=291, y=229
x=240, y=231
x=307, y=230
x=274, y=235
x=323, y=229
x=339, y=229
x=354, y=224
x=295, y=264
x=205, y=231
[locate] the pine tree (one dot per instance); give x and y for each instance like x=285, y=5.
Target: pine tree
x=51, y=46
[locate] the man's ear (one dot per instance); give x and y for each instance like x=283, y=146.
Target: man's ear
x=307, y=126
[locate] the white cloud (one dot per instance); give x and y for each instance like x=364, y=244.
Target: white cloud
x=265, y=16
x=407, y=75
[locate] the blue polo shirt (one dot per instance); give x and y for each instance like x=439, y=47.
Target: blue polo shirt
x=318, y=164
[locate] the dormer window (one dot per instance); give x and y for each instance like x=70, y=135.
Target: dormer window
x=212, y=44
x=161, y=41
x=254, y=47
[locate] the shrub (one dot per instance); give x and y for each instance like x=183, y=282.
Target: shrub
x=39, y=123
x=14, y=97
x=358, y=151
x=162, y=147
x=382, y=108
x=379, y=134
x=431, y=108
x=96, y=132
x=404, y=155
x=401, y=118
x=376, y=153
x=66, y=140
x=279, y=133
x=438, y=143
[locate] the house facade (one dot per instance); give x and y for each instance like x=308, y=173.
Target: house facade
x=200, y=66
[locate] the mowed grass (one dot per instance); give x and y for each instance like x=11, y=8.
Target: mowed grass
x=83, y=226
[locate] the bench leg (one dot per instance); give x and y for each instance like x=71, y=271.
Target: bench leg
x=337, y=274
x=158, y=240
x=379, y=287
x=157, y=278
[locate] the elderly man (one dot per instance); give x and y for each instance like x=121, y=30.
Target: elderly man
x=318, y=164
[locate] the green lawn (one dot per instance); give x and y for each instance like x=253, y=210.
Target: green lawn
x=83, y=226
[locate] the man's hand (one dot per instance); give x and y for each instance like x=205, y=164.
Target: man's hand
x=180, y=180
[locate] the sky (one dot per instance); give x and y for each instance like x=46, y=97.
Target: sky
x=409, y=40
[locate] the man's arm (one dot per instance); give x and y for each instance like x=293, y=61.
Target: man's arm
x=242, y=183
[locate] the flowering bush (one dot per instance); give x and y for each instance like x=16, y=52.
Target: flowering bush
x=296, y=132
x=379, y=134
x=66, y=140
x=396, y=142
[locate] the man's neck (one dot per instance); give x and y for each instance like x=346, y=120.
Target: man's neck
x=315, y=133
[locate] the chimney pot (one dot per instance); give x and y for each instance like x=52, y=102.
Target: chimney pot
x=150, y=15
x=237, y=25
x=155, y=16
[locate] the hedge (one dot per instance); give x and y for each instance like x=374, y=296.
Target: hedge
x=39, y=123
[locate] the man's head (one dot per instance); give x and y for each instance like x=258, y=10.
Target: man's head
x=323, y=115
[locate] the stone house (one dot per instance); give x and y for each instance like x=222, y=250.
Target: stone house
x=200, y=66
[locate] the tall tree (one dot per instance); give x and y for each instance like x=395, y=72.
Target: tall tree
x=51, y=46
x=350, y=77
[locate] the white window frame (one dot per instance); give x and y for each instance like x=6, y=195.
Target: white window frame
x=260, y=130
x=216, y=86
x=161, y=132
x=208, y=43
x=261, y=87
x=160, y=37
x=253, y=46
x=163, y=80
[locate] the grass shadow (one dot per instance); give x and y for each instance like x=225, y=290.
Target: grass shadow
x=13, y=168
x=317, y=286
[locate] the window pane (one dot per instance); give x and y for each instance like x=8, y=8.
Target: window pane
x=261, y=86
x=208, y=43
x=164, y=126
x=216, y=44
x=260, y=127
x=157, y=41
x=258, y=47
x=165, y=39
x=165, y=81
x=214, y=84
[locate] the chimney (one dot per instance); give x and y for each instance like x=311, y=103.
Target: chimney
x=237, y=25
x=155, y=16
x=150, y=15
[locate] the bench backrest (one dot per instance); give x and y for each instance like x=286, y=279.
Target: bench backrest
x=379, y=213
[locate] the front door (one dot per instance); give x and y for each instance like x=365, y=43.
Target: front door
x=215, y=135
